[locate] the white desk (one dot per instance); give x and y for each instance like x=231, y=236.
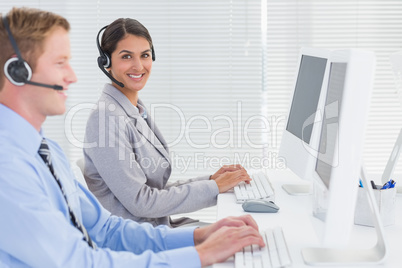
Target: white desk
x=299, y=225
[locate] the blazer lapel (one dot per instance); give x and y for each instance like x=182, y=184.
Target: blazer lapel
x=149, y=131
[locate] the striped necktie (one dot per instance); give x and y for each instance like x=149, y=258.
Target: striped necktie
x=44, y=153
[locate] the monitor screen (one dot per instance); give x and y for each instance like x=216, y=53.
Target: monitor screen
x=327, y=151
x=306, y=96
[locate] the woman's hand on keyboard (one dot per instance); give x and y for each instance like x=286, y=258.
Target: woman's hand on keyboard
x=226, y=168
x=225, y=242
x=230, y=179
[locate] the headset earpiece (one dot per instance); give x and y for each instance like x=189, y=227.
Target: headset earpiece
x=104, y=58
x=17, y=71
x=153, y=53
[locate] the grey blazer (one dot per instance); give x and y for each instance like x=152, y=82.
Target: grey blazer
x=127, y=165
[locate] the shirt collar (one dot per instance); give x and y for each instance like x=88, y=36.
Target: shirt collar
x=18, y=131
x=130, y=109
x=141, y=110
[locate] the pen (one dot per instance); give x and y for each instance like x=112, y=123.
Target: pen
x=389, y=184
x=386, y=185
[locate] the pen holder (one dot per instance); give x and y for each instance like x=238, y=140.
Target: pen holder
x=385, y=200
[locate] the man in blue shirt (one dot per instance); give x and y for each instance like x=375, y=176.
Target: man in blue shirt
x=47, y=218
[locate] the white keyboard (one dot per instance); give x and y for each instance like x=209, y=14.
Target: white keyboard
x=259, y=188
x=275, y=254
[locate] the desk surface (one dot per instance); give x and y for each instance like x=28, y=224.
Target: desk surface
x=301, y=228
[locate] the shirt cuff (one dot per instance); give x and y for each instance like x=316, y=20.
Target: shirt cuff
x=184, y=257
x=180, y=237
x=203, y=178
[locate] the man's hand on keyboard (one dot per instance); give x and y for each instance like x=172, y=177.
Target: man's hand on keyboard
x=230, y=179
x=226, y=168
x=226, y=241
x=238, y=221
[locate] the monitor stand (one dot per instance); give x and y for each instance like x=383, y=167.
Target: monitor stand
x=297, y=189
x=351, y=256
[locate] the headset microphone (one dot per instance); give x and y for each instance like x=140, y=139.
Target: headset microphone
x=55, y=87
x=17, y=70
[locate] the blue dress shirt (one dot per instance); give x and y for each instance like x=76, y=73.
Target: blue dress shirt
x=35, y=226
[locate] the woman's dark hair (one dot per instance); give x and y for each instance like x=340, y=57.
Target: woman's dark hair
x=118, y=29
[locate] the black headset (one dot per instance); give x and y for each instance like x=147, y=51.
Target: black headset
x=104, y=60
x=17, y=70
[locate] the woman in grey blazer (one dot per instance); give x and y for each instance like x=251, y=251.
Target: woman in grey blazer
x=127, y=163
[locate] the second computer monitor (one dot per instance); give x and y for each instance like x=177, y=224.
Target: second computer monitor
x=339, y=162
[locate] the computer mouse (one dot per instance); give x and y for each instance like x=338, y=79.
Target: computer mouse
x=260, y=205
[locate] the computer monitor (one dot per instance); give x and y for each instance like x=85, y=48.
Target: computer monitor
x=299, y=144
x=339, y=161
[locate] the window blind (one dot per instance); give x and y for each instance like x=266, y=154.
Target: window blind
x=373, y=25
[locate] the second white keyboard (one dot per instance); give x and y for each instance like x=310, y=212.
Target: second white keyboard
x=258, y=188
x=274, y=255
